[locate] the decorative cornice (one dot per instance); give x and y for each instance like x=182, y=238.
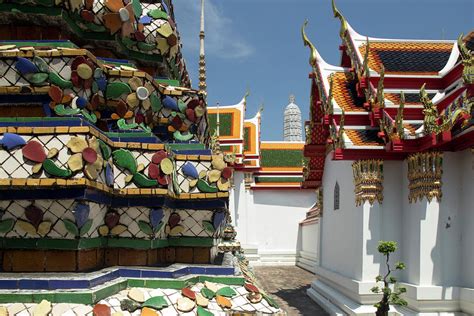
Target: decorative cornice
x=424, y=175
x=368, y=181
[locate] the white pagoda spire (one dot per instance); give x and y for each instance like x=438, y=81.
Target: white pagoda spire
x=292, y=128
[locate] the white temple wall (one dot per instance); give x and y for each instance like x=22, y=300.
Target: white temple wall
x=435, y=240
x=466, y=219
x=266, y=221
x=340, y=229
x=278, y=213
x=308, y=246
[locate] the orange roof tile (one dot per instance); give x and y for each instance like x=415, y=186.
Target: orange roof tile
x=342, y=94
x=364, y=137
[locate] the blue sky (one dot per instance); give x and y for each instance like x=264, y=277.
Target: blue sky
x=256, y=44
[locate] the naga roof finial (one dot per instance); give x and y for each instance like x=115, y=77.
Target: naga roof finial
x=313, y=57
x=338, y=14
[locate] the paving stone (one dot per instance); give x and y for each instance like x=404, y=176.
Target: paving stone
x=288, y=285
x=42, y=309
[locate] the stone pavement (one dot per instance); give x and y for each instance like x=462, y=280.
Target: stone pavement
x=288, y=286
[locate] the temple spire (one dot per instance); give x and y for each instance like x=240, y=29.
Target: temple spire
x=202, y=58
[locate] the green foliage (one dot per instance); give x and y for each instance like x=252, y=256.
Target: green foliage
x=387, y=247
x=400, y=266
x=389, y=296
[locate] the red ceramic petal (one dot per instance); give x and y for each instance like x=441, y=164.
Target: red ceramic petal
x=87, y=15
x=88, y=83
x=227, y=172
x=159, y=156
x=153, y=171
x=251, y=288
x=191, y=115
x=101, y=310
x=163, y=179
x=95, y=102
x=89, y=155
x=76, y=81
x=187, y=292
x=89, y=4
x=176, y=122
x=111, y=219
x=34, y=151
x=121, y=108
x=172, y=40
x=139, y=36
x=55, y=93
x=174, y=220
x=193, y=103
x=34, y=215
x=139, y=118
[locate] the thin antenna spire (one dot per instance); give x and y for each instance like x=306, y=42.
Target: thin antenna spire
x=218, y=122
x=202, y=57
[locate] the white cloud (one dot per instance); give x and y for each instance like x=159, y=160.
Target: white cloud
x=222, y=39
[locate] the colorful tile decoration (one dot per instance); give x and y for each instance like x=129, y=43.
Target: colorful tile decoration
x=107, y=171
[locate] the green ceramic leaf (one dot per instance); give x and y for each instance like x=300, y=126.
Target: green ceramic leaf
x=270, y=301
x=124, y=159
x=123, y=125
x=6, y=225
x=37, y=78
x=201, y=311
x=178, y=136
x=57, y=80
x=91, y=117
x=145, y=128
x=143, y=181
x=205, y=187
x=41, y=64
x=86, y=227
x=128, y=42
x=157, y=14
x=157, y=302
x=50, y=167
x=226, y=291
x=46, y=3
x=182, y=106
x=105, y=149
x=208, y=226
x=155, y=102
x=115, y=90
x=145, y=46
x=94, y=27
x=71, y=227
x=63, y=111
x=137, y=8
x=145, y=227
x=209, y=294
x=95, y=87
x=159, y=227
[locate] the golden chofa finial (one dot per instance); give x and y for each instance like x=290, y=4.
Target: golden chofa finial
x=338, y=14
x=313, y=57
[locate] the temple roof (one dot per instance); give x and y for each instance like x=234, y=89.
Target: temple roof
x=407, y=56
x=388, y=98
